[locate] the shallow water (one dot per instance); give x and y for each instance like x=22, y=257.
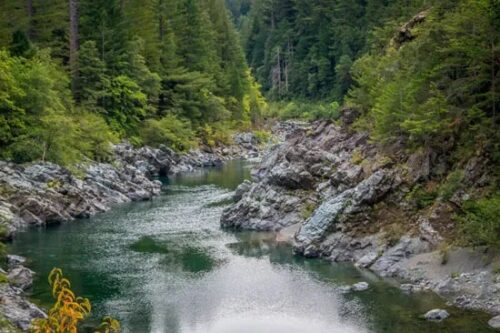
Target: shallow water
x=166, y=266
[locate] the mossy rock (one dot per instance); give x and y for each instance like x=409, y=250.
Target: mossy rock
x=6, y=326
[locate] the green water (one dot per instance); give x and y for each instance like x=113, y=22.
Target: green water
x=166, y=266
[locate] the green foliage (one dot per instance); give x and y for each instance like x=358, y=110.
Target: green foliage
x=357, y=157
x=3, y=278
x=306, y=110
x=451, y=184
x=137, y=61
x=169, y=130
x=124, y=104
x=422, y=196
x=216, y=134
x=38, y=118
x=480, y=222
x=440, y=84
x=262, y=136
x=304, y=49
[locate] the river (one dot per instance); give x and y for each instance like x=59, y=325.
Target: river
x=166, y=266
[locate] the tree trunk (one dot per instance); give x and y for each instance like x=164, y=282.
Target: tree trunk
x=73, y=43
x=161, y=20
x=29, y=7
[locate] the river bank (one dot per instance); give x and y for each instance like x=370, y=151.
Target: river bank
x=332, y=194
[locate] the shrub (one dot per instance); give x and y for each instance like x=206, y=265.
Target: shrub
x=421, y=196
x=451, y=185
x=216, y=134
x=169, y=130
x=262, y=135
x=308, y=110
x=480, y=223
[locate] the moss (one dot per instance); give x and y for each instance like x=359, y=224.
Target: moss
x=393, y=233
x=6, y=326
x=4, y=231
x=308, y=210
x=54, y=184
x=495, y=267
x=357, y=157
x=4, y=278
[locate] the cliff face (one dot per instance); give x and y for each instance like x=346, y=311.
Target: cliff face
x=346, y=199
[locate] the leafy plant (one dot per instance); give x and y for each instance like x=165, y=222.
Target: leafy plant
x=480, y=222
x=421, y=196
x=451, y=185
x=169, y=130
x=68, y=310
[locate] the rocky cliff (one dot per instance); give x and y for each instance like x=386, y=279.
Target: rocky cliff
x=349, y=200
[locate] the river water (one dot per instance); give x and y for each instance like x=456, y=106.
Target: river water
x=166, y=266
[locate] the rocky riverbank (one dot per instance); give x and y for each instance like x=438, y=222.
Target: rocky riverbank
x=39, y=194
x=335, y=195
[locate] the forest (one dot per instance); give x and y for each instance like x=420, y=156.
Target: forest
x=76, y=75
x=182, y=72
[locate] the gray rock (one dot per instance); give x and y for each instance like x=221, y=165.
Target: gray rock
x=15, y=261
x=494, y=322
x=436, y=315
x=16, y=309
x=336, y=209
x=345, y=289
x=241, y=189
x=360, y=286
x=21, y=277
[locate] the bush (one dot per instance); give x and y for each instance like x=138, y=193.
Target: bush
x=421, y=196
x=480, y=223
x=169, y=130
x=216, y=134
x=262, y=135
x=94, y=137
x=308, y=110
x=451, y=185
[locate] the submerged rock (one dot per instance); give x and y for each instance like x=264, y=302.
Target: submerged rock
x=495, y=322
x=360, y=286
x=436, y=315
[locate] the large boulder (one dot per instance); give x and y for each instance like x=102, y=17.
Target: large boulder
x=16, y=309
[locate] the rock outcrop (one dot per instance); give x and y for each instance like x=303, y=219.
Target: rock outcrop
x=349, y=200
x=44, y=193
x=13, y=305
